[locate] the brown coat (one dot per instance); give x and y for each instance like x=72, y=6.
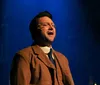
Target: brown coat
x=30, y=66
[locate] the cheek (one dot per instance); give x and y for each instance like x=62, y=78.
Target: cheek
x=55, y=31
x=43, y=31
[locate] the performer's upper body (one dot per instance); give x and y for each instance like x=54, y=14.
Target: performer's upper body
x=33, y=65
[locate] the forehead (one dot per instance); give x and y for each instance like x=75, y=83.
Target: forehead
x=44, y=19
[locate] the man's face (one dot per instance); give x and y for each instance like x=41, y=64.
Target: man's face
x=47, y=27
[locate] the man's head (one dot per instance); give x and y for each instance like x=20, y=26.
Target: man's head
x=42, y=28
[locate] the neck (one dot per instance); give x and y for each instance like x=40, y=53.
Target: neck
x=44, y=44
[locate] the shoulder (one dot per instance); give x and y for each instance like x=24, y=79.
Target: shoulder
x=25, y=51
x=61, y=56
x=24, y=54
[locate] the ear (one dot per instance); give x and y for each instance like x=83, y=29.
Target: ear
x=38, y=28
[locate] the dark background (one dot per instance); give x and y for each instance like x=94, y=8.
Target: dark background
x=78, y=34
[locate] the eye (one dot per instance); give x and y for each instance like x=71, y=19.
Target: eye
x=53, y=25
x=45, y=24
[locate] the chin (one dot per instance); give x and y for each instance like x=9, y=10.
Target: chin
x=51, y=40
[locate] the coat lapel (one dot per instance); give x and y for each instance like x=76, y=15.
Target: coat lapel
x=59, y=60
x=67, y=77
x=42, y=56
x=56, y=56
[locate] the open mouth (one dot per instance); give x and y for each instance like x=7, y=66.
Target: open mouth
x=50, y=33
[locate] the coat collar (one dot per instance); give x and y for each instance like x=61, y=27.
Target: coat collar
x=42, y=56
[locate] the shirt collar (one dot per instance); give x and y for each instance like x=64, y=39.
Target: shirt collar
x=46, y=49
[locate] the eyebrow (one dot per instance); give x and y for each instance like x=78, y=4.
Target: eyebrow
x=45, y=22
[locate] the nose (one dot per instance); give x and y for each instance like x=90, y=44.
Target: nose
x=51, y=27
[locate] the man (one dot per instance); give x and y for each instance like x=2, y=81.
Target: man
x=40, y=64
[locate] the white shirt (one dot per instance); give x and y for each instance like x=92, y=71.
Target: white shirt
x=46, y=50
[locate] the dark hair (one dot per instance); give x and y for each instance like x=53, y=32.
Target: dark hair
x=34, y=23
